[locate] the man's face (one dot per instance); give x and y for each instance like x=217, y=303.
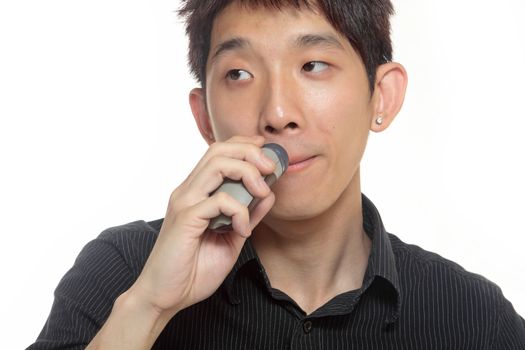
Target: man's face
x=290, y=76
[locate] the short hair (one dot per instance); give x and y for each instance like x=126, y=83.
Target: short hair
x=365, y=23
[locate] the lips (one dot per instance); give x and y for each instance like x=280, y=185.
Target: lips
x=299, y=162
x=301, y=153
x=298, y=159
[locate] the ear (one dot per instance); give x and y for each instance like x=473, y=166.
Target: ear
x=389, y=94
x=200, y=113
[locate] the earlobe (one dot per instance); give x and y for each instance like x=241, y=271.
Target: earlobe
x=200, y=114
x=389, y=94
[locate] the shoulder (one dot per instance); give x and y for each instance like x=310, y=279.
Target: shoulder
x=108, y=265
x=132, y=242
x=423, y=264
x=139, y=229
x=105, y=268
x=435, y=284
x=111, y=262
x=446, y=296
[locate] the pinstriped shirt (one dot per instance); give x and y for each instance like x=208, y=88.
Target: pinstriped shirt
x=410, y=299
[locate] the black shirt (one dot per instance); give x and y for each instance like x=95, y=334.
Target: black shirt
x=410, y=299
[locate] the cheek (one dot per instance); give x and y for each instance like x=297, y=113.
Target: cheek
x=339, y=112
x=342, y=118
x=229, y=117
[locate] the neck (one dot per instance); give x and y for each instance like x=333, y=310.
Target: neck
x=316, y=259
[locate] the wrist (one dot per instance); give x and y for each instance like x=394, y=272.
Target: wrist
x=132, y=324
x=133, y=304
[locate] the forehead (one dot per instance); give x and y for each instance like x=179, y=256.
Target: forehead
x=271, y=25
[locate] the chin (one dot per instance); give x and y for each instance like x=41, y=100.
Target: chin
x=297, y=207
x=297, y=200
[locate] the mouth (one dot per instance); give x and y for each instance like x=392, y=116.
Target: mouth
x=299, y=164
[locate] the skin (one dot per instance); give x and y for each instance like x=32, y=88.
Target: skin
x=307, y=91
x=312, y=97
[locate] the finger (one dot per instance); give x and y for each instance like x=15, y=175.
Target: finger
x=261, y=209
x=211, y=172
x=249, y=152
x=195, y=219
x=220, y=168
x=254, y=139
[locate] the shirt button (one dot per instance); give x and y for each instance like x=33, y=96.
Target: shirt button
x=307, y=326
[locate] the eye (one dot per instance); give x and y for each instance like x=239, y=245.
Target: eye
x=315, y=66
x=238, y=74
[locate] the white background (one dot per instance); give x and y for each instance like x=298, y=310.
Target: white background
x=95, y=131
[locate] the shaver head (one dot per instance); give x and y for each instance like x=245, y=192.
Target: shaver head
x=281, y=154
x=236, y=189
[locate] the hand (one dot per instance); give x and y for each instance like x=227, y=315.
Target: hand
x=189, y=262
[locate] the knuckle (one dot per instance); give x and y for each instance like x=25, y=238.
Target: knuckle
x=223, y=197
x=253, y=149
x=215, y=161
x=252, y=173
x=172, y=203
x=215, y=148
x=179, y=199
x=245, y=214
x=175, y=194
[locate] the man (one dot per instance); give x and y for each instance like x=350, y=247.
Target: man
x=311, y=266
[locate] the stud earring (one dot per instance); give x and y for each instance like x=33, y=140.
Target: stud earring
x=379, y=120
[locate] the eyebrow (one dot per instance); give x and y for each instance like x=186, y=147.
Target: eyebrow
x=229, y=45
x=302, y=41
x=310, y=40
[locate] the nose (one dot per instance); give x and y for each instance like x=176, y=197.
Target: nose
x=280, y=113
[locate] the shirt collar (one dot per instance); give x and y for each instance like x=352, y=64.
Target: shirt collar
x=247, y=254
x=381, y=262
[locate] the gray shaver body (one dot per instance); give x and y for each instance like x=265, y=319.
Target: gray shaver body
x=237, y=190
